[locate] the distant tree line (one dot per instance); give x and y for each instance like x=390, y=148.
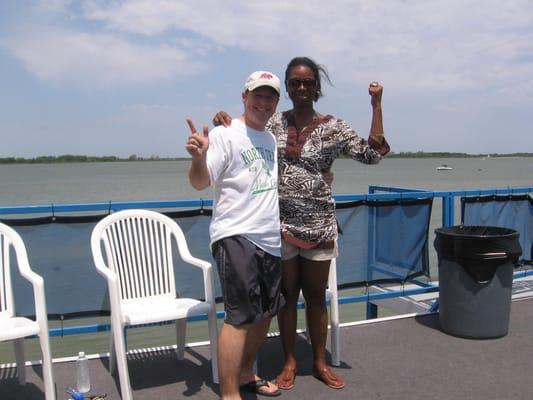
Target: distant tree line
x=74, y=158
x=441, y=154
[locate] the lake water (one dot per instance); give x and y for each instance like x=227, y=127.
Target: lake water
x=167, y=180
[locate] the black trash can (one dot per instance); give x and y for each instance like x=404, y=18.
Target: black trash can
x=476, y=266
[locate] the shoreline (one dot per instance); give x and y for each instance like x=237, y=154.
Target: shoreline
x=114, y=159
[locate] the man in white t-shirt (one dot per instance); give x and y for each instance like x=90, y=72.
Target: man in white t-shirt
x=240, y=162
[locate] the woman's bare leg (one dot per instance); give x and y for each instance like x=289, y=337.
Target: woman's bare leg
x=287, y=320
x=314, y=278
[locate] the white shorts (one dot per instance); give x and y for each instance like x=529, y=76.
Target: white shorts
x=289, y=251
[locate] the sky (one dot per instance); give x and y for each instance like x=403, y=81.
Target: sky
x=119, y=78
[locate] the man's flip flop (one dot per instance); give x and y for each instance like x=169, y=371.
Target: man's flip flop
x=255, y=387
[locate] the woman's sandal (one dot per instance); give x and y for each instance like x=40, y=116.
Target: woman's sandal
x=327, y=376
x=286, y=378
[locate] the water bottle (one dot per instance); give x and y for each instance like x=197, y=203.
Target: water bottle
x=82, y=373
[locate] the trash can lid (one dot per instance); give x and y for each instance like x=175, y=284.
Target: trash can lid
x=478, y=249
x=478, y=242
x=476, y=231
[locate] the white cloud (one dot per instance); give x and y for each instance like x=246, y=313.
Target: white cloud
x=442, y=45
x=142, y=17
x=102, y=59
x=231, y=23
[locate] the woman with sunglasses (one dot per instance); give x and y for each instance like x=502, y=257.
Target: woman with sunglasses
x=308, y=143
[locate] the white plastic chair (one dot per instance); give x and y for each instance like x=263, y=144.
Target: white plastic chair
x=17, y=328
x=139, y=270
x=333, y=297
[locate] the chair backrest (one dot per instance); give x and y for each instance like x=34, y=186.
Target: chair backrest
x=7, y=306
x=138, y=249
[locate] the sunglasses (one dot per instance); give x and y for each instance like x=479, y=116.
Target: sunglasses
x=296, y=83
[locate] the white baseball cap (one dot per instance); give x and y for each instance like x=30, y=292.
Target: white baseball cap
x=262, y=78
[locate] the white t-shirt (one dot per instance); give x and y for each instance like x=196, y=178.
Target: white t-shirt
x=243, y=169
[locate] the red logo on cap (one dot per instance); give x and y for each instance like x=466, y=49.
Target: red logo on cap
x=265, y=75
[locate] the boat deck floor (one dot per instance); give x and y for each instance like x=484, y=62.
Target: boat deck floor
x=407, y=358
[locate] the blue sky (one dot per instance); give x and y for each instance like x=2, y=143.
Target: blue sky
x=120, y=77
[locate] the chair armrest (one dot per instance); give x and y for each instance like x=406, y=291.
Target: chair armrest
x=209, y=285
x=207, y=270
x=35, y=279
x=183, y=248
x=109, y=275
x=106, y=273
x=197, y=262
x=112, y=283
x=99, y=263
x=205, y=266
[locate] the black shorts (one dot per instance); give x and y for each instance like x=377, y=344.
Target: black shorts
x=250, y=279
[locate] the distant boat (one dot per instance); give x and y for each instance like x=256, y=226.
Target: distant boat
x=444, y=167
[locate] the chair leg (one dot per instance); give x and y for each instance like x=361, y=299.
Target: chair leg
x=112, y=353
x=334, y=315
x=122, y=362
x=307, y=333
x=48, y=375
x=20, y=359
x=181, y=331
x=334, y=331
x=213, y=345
x=254, y=367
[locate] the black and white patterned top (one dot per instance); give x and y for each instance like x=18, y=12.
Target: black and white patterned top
x=307, y=210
